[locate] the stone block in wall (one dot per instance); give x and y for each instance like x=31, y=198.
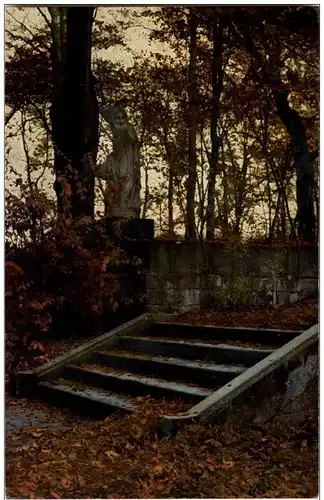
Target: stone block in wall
x=153, y=280
x=308, y=287
x=157, y=280
x=172, y=299
x=217, y=258
x=304, y=286
x=179, y=281
x=212, y=281
x=190, y=298
x=308, y=262
x=156, y=296
x=154, y=309
x=252, y=259
x=275, y=257
x=175, y=257
x=190, y=281
x=228, y=261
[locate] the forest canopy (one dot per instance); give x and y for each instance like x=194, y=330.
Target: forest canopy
x=224, y=101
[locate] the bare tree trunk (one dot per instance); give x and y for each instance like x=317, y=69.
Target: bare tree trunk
x=170, y=180
x=303, y=164
x=192, y=128
x=170, y=201
x=75, y=116
x=217, y=87
x=146, y=190
x=225, y=218
x=283, y=220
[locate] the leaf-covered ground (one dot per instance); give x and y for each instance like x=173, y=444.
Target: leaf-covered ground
x=297, y=317
x=52, y=454
x=123, y=458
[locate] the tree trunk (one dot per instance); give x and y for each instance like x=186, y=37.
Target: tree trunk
x=192, y=128
x=146, y=189
x=170, y=180
x=297, y=132
x=303, y=164
x=170, y=202
x=75, y=118
x=217, y=87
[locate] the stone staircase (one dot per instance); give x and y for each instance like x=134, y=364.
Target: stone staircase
x=166, y=361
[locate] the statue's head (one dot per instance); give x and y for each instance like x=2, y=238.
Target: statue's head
x=120, y=116
x=116, y=115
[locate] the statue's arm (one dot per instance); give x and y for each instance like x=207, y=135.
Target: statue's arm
x=101, y=170
x=131, y=133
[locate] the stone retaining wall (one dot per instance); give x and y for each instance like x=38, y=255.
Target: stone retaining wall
x=183, y=275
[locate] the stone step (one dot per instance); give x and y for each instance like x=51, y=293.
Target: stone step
x=220, y=353
x=136, y=385
x=201, y=373
x=269, y=337
x=86, y=400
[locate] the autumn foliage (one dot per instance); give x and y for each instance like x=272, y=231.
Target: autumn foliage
x=56, y=279
x=217, y=159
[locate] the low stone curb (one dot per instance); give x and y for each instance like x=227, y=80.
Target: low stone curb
x=267, y=377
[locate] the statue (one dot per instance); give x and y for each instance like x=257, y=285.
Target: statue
x=122, y=167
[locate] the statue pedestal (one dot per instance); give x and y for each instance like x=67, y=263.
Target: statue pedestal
x=128, y=229
x=132, y=236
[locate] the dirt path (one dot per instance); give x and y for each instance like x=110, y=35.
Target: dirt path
x=27, y=419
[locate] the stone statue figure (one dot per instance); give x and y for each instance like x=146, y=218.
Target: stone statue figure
x=122, y=167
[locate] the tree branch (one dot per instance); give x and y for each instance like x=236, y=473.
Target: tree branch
x=48, y=22
x=10, y=115
x=314, y=155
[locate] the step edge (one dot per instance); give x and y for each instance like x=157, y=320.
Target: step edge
x=190, y=363
x=199, y=344
x=230, y=328
x=125, y=405
x=151, y=382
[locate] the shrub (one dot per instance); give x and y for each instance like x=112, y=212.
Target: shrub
x=53, y=280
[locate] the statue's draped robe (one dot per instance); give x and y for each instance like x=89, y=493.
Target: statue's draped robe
x=122, y=171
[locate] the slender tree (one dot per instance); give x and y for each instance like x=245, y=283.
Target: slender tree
x=217, y=77
x=192, y=127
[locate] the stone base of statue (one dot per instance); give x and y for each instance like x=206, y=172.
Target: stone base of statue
x=126, y=230
x=133, y=238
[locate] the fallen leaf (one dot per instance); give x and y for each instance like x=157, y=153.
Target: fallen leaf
x=15, y=438
x=111, y=454
x=37, y=434
x=158, y=469
x=98, y=464
x=81, y=480
x=214, y=443
x=55, y=495
x=65, y=483
x=227, y=464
